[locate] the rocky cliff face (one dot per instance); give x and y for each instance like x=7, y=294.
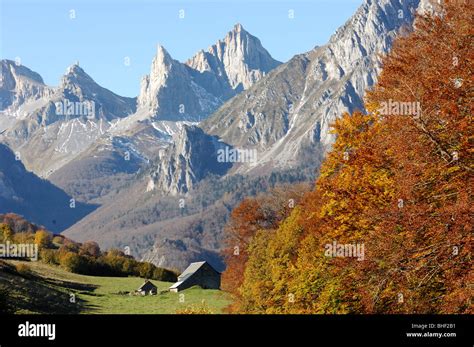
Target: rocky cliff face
x=294, y=106
x=192, y=157
x=77, y=86
x=169, y=92
x=192, y=91
x=18, y=85
x=231, y=65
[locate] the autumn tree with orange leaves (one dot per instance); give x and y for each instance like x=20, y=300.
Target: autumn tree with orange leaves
x=398, y=182
x=261, y=213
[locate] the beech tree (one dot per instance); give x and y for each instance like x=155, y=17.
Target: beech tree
x=398, y=181
x=262, y=213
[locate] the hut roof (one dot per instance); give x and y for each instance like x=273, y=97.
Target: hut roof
x=190, y=270
x=146, y=286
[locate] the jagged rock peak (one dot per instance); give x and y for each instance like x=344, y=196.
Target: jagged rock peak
x=239, y=58
x=238, y=27
x=75, y=75
x=192, y=157
x=162, y=57
x=19, y=84
x=160, y=67
x=167, y=87
x=10, y=67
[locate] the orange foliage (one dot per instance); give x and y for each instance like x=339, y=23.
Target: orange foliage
x=398, y=182
x=264, y=212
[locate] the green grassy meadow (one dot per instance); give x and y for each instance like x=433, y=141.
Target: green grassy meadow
x=100, y=295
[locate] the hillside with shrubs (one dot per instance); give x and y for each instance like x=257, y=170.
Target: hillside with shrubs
x=82, y=258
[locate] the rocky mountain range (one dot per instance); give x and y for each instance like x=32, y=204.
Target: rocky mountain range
x=154, y=163
x=55, y=123
x=194, y=89
x=288, y=112
x=87, y=132
x=291, y=109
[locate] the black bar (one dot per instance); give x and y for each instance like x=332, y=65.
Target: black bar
x=323, y=330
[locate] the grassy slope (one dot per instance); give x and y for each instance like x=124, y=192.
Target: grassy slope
x=100, y=294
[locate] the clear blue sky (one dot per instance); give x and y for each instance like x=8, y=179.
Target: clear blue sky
x=104, y=32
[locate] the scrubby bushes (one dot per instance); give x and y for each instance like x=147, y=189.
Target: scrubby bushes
x=164, y=275
x=196, y=309
x=112, y=263
x=43, y=239
x=86, y=258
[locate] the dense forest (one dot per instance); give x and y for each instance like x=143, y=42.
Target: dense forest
x=388, y=225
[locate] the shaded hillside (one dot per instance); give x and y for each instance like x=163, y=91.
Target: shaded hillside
x=22, y=291
x=38, y=200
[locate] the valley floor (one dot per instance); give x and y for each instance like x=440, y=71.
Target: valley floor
x=48, y=289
